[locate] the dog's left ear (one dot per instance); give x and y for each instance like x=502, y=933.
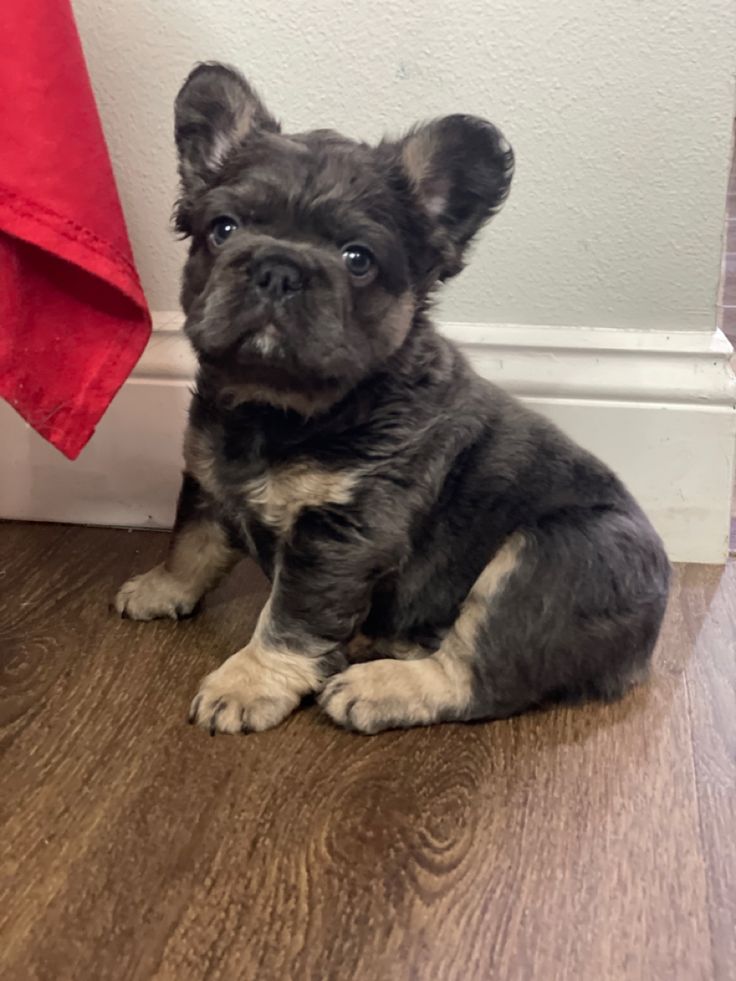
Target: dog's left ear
x=460, y=169
x=215, y=111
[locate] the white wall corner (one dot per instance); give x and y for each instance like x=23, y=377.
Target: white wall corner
x=659, y=407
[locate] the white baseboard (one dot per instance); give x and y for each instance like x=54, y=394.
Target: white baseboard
x=658, y=407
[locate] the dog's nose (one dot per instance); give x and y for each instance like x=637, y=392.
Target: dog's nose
x=277, y=277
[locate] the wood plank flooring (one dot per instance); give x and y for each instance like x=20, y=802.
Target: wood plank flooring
x=589, y=843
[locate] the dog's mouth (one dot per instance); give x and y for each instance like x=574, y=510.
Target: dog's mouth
x=265, y=342
x=241, y=331
x=253, y=333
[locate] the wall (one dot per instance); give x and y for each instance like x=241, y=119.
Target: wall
x=619, y=111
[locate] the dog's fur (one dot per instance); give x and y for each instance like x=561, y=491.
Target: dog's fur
x=398, y=502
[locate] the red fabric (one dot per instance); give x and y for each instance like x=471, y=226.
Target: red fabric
x=73, y=318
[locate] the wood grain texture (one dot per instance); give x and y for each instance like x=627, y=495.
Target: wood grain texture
x=709, y=619
x=590, y=843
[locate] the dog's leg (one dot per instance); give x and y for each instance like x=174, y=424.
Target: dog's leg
x=321, y=592
x=570, y=609
x=261, y=684
x=199, y=555
x=397, y=693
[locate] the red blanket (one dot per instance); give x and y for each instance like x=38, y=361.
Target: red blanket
x=73, y=318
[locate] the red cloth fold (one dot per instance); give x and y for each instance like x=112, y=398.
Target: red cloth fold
x=73, y=317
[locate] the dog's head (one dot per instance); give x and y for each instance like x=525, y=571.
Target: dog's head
x=311, y=253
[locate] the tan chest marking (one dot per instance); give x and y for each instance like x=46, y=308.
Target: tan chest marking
x=280, y=494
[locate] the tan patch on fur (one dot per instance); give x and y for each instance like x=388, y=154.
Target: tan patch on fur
x=416, y=154
x=200, y=554
x=200, y=458
x=396, y=693
x=257, y=687
x=280, y=494
x=398, y=321
x=243, y=107
x=460, y=640
x=359, y=648
x=198, y=558
x=305, y=403
x=402, y=650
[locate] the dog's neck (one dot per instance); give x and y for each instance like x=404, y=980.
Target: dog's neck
x=422, y=358
x=411, y=384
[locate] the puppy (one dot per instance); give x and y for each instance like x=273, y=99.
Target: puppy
x=399, y=503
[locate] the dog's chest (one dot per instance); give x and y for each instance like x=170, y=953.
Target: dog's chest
x=278, y=494
x=247, y=486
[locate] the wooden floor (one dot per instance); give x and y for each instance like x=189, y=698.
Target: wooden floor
x=595, y=843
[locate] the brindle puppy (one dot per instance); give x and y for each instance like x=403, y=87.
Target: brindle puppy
x=392, y=496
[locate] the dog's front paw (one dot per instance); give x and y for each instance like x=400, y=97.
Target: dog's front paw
x=240, y=696
x=377, y=695
x=154, y=594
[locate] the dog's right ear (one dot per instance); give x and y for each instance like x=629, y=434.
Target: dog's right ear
x=215, y=111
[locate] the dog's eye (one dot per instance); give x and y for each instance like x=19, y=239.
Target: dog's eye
x=359, y=260
x=221, y=229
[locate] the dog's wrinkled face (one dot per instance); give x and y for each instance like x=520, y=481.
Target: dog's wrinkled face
x=310, y=254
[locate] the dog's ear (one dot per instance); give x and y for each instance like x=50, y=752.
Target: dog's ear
x=459, y=169
x=216, y=110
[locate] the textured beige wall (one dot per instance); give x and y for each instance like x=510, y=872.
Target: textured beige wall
x=619, y=111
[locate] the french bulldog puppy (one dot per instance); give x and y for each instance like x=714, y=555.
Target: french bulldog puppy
x=399, y=504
